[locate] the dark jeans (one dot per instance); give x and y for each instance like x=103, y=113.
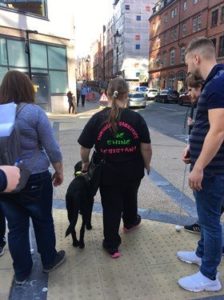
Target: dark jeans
x=2, y=227
x=34, y=202
x=209, y=202
x=71, y=108
x=118, y=201
x=83, y=97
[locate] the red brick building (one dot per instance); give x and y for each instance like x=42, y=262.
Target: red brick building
x=172, y=26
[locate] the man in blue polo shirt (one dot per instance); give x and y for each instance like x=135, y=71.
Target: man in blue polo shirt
x=206, y=155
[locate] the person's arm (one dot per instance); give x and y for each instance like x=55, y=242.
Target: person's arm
x=58, y=176
x=9, y=178
x=211, y=145
x=146, y=152
x=84, y=152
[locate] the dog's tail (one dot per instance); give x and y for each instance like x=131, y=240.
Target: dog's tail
x=70, y=228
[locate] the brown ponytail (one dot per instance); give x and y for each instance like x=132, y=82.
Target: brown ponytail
x=116, y=89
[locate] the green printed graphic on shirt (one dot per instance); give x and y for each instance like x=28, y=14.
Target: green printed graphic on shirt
x=118, y=140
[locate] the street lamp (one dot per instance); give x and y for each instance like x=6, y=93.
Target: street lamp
x=27, y=49
x=116, y=36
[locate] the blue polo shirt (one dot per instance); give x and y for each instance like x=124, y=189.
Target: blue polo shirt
x=212, y=97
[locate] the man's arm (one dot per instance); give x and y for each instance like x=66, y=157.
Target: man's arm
x=211, y=145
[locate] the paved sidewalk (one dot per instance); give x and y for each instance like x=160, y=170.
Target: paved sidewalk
x=148, y=268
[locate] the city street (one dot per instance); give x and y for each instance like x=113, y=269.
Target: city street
x=148, y=268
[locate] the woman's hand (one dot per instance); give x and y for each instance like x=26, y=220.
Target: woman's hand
x=57, y=178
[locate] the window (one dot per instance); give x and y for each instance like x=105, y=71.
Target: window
x=127, y=6
x=58, y=81
x=195, y=1
x=166, y=18
x=221, y=46
x=57, y=58
x=184, y=29
x=197, y=23
x=214, y=42
x=214, y=21
x=38, y=7
x=137, y=46
x=20, y=59
x=165, y=38
x=222, y=15
x=185, y=5
x=138, y=18
x=39, y=56
x=137, y=37
x=172, y=57
x=148, y=8
x=173, y=12
x=3, y=52
x=182, y=55
x=164, y=58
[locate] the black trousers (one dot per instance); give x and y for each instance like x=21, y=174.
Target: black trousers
x=71, y=108
x=2, y=227
x=118, y=201
x=83, y=97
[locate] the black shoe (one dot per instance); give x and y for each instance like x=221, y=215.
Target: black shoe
x=2, y=250
x=59, y=259
x=194, y=228
x=128, y=227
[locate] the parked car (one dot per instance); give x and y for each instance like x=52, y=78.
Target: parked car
x=136, y=99
x=184, y=99
x=143, y=89
x=167, y=96
x=152, y=93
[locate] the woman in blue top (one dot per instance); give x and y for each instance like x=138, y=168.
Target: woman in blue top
x=35, y=200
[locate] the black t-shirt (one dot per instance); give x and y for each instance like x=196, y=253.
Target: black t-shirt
x=121, y=150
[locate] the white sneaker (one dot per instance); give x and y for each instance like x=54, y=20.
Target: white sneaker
x=198, y=283
x=189, y=257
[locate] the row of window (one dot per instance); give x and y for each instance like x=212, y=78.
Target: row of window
x=162, y=61
x=26, y=6
x=173, y=12
x=147, y=7
x=45, y=59
x=217, y=17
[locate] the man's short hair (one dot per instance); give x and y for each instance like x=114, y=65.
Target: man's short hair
x=202, y=44
x=193, y=81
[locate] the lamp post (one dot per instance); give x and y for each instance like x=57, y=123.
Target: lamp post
x=116, y=36
x=87, y=67
x=104, y=30
x=27, y=49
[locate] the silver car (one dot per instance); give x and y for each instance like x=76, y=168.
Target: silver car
x=136, y=99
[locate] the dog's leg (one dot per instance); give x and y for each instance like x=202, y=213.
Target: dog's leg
x=75, y=242
x=82, y=233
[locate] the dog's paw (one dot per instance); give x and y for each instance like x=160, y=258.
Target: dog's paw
x=75, y=243
x=81, y=245
x=89, y=226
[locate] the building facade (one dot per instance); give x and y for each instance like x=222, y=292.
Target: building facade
x=173, y=25
x=33, y=41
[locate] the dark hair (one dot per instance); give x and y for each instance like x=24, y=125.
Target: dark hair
x=203, y=44
x=117, y=88
x=194, y=81
x=16, y=86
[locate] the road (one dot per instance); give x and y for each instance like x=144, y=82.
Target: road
x=169, y=119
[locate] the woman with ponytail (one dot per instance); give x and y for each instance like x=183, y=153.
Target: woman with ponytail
x=120, y=137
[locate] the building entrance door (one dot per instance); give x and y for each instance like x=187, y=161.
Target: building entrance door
x=42, y=88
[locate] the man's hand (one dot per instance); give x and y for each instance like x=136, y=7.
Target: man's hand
x=195, y=179
x=186, y=155
x=85, y=166
x=12, y=175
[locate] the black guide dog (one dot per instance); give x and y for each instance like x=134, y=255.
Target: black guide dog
x=79, y=199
